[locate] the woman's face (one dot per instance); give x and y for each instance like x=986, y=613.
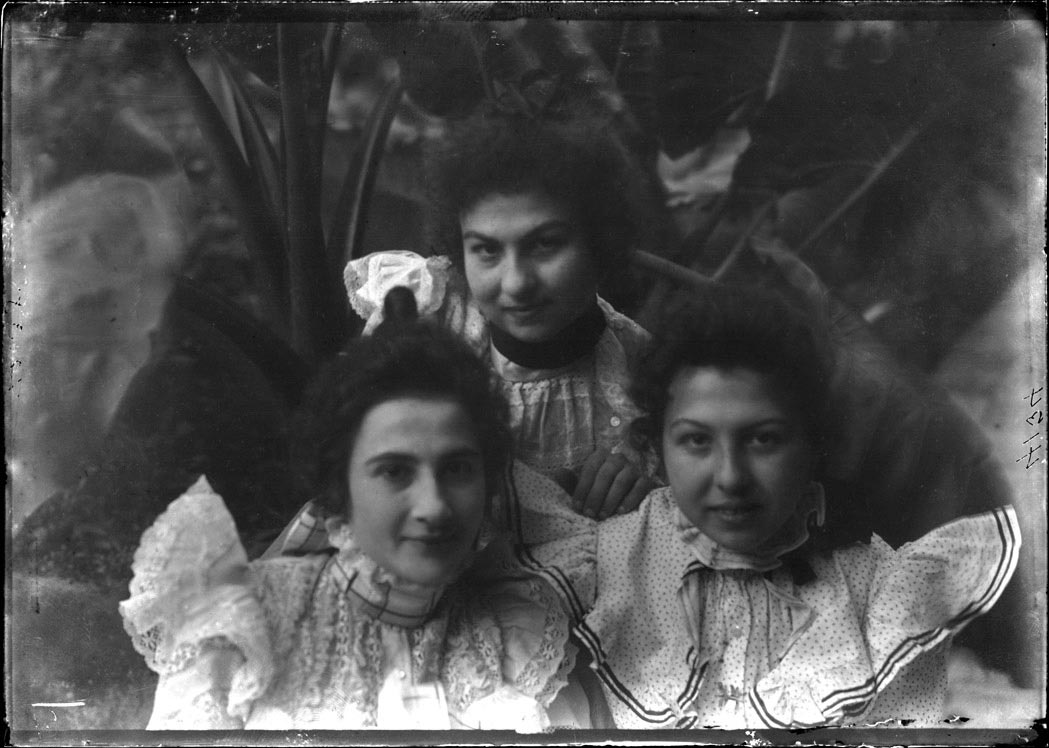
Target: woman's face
x=528, y=264
x=737, y=459
x=417, y=488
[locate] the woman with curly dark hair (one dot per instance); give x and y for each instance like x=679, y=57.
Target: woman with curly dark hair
x=531, y=214
x=741, y=594
x=412, y=615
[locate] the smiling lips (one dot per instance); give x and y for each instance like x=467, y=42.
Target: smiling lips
x=434, y=540
x=523, y=310
x=735, y=512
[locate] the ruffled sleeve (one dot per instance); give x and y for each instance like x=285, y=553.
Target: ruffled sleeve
x=934, y=586
x=615, y=357
x=552, y=540
x=892, y=638
x=195, y=618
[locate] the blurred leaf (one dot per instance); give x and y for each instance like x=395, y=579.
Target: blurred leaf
x=712, y=69
x=638, y=70
x=333, y=34
x=346, y=237
x=262, y=158
x=318, y=303
x=258, y=225
x=873, y=176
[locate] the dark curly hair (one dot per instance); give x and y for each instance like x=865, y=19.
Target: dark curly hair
x=402, y=359
x=759, y=329
x=577, y=160
x=728, y=327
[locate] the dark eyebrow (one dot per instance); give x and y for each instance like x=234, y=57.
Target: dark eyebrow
x=390, y=457
x=556, y=223
x=754, y=425
x=463, y=454
x=477, y=235
x=408, y=457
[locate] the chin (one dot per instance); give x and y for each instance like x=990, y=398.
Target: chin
x=430, y=574
x=530, y=334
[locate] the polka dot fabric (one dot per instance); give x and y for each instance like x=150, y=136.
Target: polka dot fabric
x=863, y=642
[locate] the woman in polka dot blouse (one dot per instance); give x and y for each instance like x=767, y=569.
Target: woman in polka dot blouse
x=740, y=595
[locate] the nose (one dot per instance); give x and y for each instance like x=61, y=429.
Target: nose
x=733, y=474
x=518, y=278
x=428, y=501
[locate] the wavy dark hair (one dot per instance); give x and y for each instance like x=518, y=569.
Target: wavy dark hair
x=758, y=329
x=575, y=159
x=404, y=358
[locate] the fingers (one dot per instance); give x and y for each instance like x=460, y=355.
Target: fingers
x=608, y=484
x=566, y=479
x=636, y=495
x=624, y=483
x=608, y=473
x=587, y=474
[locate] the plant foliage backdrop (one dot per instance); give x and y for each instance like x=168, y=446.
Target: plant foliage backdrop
x=182, y=197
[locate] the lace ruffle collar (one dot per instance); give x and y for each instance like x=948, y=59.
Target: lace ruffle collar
x=381, y=594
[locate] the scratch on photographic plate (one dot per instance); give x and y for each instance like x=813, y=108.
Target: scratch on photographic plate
x=754, y=740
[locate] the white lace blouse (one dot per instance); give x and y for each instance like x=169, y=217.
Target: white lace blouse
x=283, y=644
x=558, y=416
x=684, y=633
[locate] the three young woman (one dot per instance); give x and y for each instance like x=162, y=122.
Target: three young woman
x=736, y=596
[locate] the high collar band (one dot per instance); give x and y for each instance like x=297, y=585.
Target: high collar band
x=381, y=594
x=793, y=535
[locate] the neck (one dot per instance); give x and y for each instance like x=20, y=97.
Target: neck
x=570, y=344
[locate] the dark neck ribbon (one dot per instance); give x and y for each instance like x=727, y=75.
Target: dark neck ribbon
x=575, y=341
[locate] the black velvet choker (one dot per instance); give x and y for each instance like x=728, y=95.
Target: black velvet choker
x=571, y=344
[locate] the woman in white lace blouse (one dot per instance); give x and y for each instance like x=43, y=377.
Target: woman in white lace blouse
x=417, y=618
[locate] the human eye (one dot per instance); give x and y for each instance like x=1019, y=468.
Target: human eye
x=461, y=469
x=767, y=440
x=549, y=242
x=394, y=473
x=486, y=252
x=694, y=441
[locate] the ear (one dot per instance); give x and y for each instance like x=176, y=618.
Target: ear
x=818, y=501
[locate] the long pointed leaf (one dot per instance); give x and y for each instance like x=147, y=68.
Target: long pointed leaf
x=778, y=64
x=875, y=174
x=671, y=271
x=741, y=242
x=347, y=231
x=261, y=155
x=257, y=224
x=330, y=51
x=209, y=72
x=318, y=317
x=330, y=45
